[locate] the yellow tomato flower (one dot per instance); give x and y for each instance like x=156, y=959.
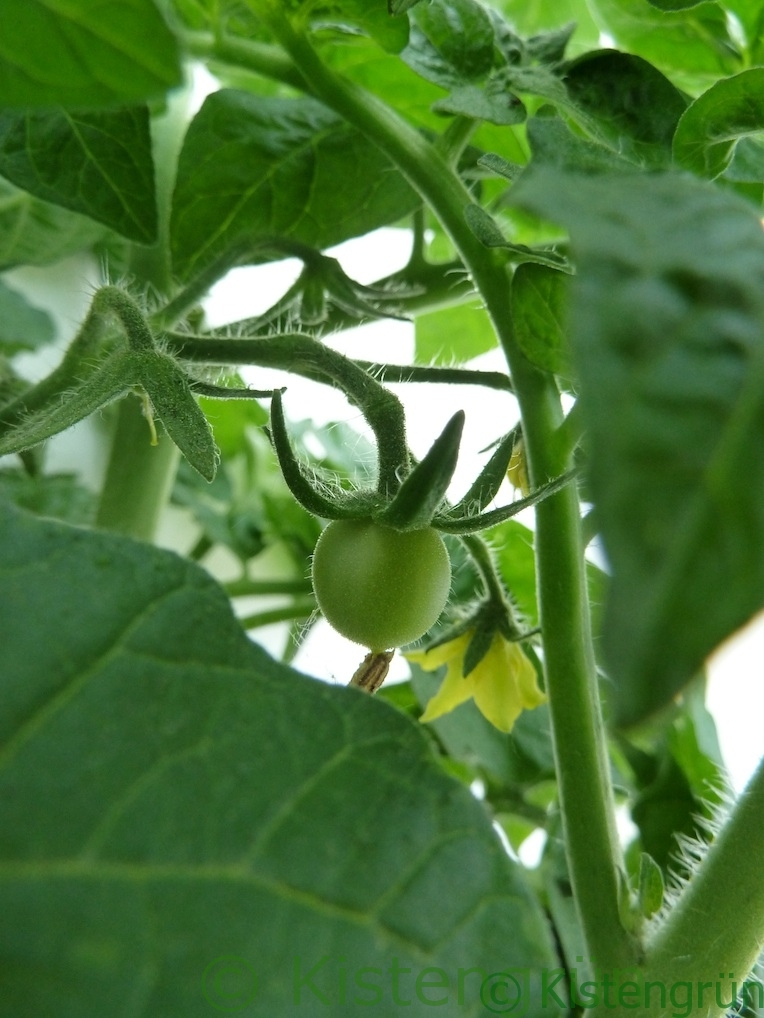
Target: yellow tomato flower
x=502, y=685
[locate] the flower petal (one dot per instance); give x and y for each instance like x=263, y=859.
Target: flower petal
x=505, y=684
x=432, y=659
x=454, y=691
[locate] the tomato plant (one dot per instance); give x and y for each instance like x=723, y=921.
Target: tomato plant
x=190, y=824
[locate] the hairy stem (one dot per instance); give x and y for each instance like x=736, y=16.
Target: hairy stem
x=585, y=792
x=715, y=930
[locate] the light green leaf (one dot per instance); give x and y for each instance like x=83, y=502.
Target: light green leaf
x=687, y=45
x=667, y=313
x=675, y=5
x=553, y=142
x=651, y=888
x=709, y=130
x=88, y=53
x=453, y=334
x=539, y=306
x=173, y=799
x=96, y=163
x=266, y=169
x=22, y=326
x=32, y=232
x=532, y=17
x=496, y=105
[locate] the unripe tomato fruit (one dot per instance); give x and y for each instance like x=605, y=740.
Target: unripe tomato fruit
x=380, y=587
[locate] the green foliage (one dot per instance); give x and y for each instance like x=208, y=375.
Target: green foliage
x=89, y=54
x=248, y=163
x=131, y=793
x=97, y=163
x=185, y=817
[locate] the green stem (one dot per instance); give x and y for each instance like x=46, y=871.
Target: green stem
x=586, y=797
x=139, y=476
x=246, y=587
x=714, y=931
x=297, y=610
x=305, y=356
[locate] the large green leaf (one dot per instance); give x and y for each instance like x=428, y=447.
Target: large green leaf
x=85, y=53
x=710, y=129
x=97, y=163
x=188, y=826
x=32, y=232
x=267, y=169
x=666, y=323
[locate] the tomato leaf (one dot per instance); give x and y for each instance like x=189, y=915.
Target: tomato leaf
x=85, y=54
x=666, y=320
x=708, y=132
x=97, y=163
x=171, y=798
x=266, y=169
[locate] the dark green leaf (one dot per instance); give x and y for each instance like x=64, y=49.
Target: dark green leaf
x=32, y=232
x=97, y=163
x=90, y=53
x=630, y=105
x=451, y=42
x=266, y=169
x=22, y=326
x=666, y=322
x=166, y=788
x=453, y=335
x=709, y=130
x=539, y=305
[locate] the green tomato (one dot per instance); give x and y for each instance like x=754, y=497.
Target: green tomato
x=380, y=587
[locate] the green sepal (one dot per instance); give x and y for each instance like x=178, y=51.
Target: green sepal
x=472, y=524
x=308, y=496
x=423, y=491
x=478, y=646
x=224, y=392
x=651, y=888
x=490, y=479
x=170, y=393
x=110, y=380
